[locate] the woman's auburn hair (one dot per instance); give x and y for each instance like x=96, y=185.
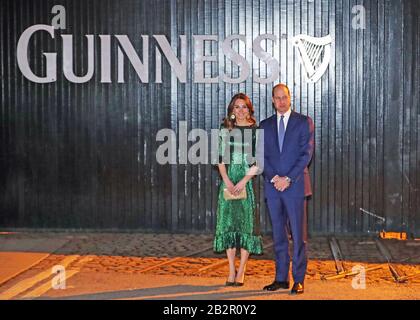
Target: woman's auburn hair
x=228, y=123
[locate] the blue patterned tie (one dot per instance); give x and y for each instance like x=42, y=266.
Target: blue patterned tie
x=281, y=133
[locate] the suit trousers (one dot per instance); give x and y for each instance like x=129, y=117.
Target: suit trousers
x=283, y=210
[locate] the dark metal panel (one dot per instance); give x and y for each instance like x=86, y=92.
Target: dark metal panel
x=359, y=115
x=380, y=109
x=296, y=72
x=393, y=113
x=366, y=123
x=316, y=112
x=3, y=119
x=212, y=118
x=19, y=126
x=101, y=92
x=7, y=186
x=196, y=107
x=174, y=21
x=346, y=105
x=407, y=113
x=330, y=26
x=337, y=111
x=352, y=114
x=373, y=82
x=313, y=205
x=412, y=42
x=206, y=105
x=324, y=109
x=181, y=103
x=185, y=188
x=260, y=96
x=416, y=105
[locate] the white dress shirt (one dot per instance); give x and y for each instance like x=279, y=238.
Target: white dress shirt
x=285, y=119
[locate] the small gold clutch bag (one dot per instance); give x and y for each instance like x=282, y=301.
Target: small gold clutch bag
x=228, y=196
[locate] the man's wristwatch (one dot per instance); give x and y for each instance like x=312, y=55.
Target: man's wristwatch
x=288, y=179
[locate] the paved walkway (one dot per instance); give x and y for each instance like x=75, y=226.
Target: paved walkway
x=19, y=254
x=181, y=266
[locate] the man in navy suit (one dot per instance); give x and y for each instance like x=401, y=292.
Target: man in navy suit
x=288, y=145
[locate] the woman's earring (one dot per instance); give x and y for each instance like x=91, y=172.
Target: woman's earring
x=248, y=117
x=232, y=117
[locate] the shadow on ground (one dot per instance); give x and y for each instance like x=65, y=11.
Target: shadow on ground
x=182, y=292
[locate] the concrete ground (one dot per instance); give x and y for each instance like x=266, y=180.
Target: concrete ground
x=169, y=266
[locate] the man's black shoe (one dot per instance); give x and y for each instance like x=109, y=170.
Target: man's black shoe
x=297, y=288
x=276, y=285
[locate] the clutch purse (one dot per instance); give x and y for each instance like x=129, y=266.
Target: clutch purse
x=228, y=196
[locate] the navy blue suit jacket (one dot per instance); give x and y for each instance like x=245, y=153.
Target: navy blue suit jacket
x=297, y=152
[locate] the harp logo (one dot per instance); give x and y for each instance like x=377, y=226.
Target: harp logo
x=314, y=55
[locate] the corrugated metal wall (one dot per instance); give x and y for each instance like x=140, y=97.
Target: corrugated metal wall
x=83, y=155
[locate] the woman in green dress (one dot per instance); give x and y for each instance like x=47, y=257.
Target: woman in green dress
x=237, y=224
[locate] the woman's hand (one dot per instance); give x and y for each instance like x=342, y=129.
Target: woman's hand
x=230, y=186
x=239, y=187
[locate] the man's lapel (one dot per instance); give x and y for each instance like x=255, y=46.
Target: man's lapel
x=274, y=130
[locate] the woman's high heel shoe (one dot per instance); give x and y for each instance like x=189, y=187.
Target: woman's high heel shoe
x=231, y=283
x=240, y=284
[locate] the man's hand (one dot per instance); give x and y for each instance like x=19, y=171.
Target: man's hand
x=275, y=179
x=281, y=184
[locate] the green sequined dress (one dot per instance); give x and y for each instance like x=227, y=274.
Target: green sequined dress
x=238, y=220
